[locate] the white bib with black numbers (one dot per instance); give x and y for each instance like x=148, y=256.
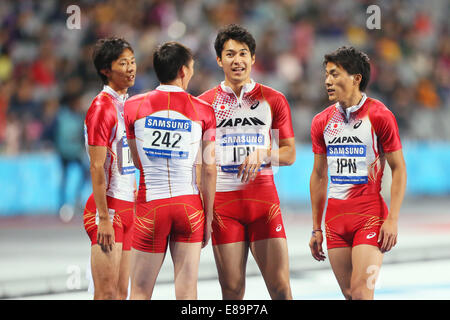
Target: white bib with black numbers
x=168, y=144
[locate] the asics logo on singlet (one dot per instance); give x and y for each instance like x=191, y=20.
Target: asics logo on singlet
x=356, y=126
x=254, y=106
x=371, y=235
x=352, y=139
x=250, y=121
x=278, y=228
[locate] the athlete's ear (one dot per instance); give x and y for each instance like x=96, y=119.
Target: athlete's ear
x=182, y=72
x=219, y=61
x=106, y=72
x=253, y=59
x=357, y=79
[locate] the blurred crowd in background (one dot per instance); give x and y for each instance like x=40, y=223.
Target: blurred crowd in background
x=47, y=78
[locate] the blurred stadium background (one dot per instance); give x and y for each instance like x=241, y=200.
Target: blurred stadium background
x=47, y=81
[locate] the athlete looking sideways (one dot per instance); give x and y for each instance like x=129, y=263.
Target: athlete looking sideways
x=352, y=139
x=108, y=215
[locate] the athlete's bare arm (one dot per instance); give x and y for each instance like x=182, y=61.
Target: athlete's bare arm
x=198, y=175
x=318, y=193
x=284, y=156
x=105, y=233
x=208, y=185
x=388, y=231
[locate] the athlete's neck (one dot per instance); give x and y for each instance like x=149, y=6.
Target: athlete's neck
x=178, y=82
x=237, y=86
x=120, y=91
x=353, y=100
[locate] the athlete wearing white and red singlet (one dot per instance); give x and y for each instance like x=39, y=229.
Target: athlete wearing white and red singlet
x=168, y=125
x=352, y=141
x=104, y=126
x=355, y=141
x=247, y=211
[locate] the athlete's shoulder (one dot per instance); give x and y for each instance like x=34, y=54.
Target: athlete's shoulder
x=318, y=125
x=206, y=110
x=324, y=115
x=132, y=105
x=267, y=91
x=385, y=125
x=209, y=95
x=101, y=118
x=271, y=95
x=102, y=100
x=275, y=98
x=102, y=104
x=377, y=109
x=200, y=102
x=136, y=98
x=376, y=105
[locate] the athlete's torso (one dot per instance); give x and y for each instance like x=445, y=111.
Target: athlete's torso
x=244, y=124
x=168, y=125
x=104, y=126
x=355, y=141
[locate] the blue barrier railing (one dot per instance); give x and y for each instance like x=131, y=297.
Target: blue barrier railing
x=31, y=183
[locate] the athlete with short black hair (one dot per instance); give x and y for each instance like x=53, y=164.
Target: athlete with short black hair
x=108, y=215
x=352, y=140
x=250, y=117
x=169, y=131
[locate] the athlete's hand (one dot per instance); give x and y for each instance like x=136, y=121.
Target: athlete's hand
x=105, y=234
x=249, y=169
x=388, y=235
x=207, y=232
x=315, y=244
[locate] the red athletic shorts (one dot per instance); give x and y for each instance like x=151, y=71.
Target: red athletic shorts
x=122, y=214
x=249, y=215
x=351, y=222
x=180, y=218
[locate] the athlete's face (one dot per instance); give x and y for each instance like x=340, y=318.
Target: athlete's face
x=123, y=72
x=236, y=61
x=340, y=85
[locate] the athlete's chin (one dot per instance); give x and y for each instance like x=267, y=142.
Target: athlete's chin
x=332, y=97
x=239, y=78
x=130, y=83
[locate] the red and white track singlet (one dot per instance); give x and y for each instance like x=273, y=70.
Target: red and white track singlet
x=168, y=125
x=104, y=126
x=245, y=123
x=260, y=116
x=355, y=141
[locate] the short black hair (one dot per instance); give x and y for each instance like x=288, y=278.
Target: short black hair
x=237, y=33
x=169, y=58
x=106, y=51
x=353, y=61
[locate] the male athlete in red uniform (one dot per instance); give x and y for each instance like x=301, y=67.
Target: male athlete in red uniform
x=168, y=129
x=352, y=140
x=249, y=118
x=108, y=215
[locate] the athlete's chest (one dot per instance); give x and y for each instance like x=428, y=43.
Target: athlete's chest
x=250, y=112
x=357, y=130
x=350, y=147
